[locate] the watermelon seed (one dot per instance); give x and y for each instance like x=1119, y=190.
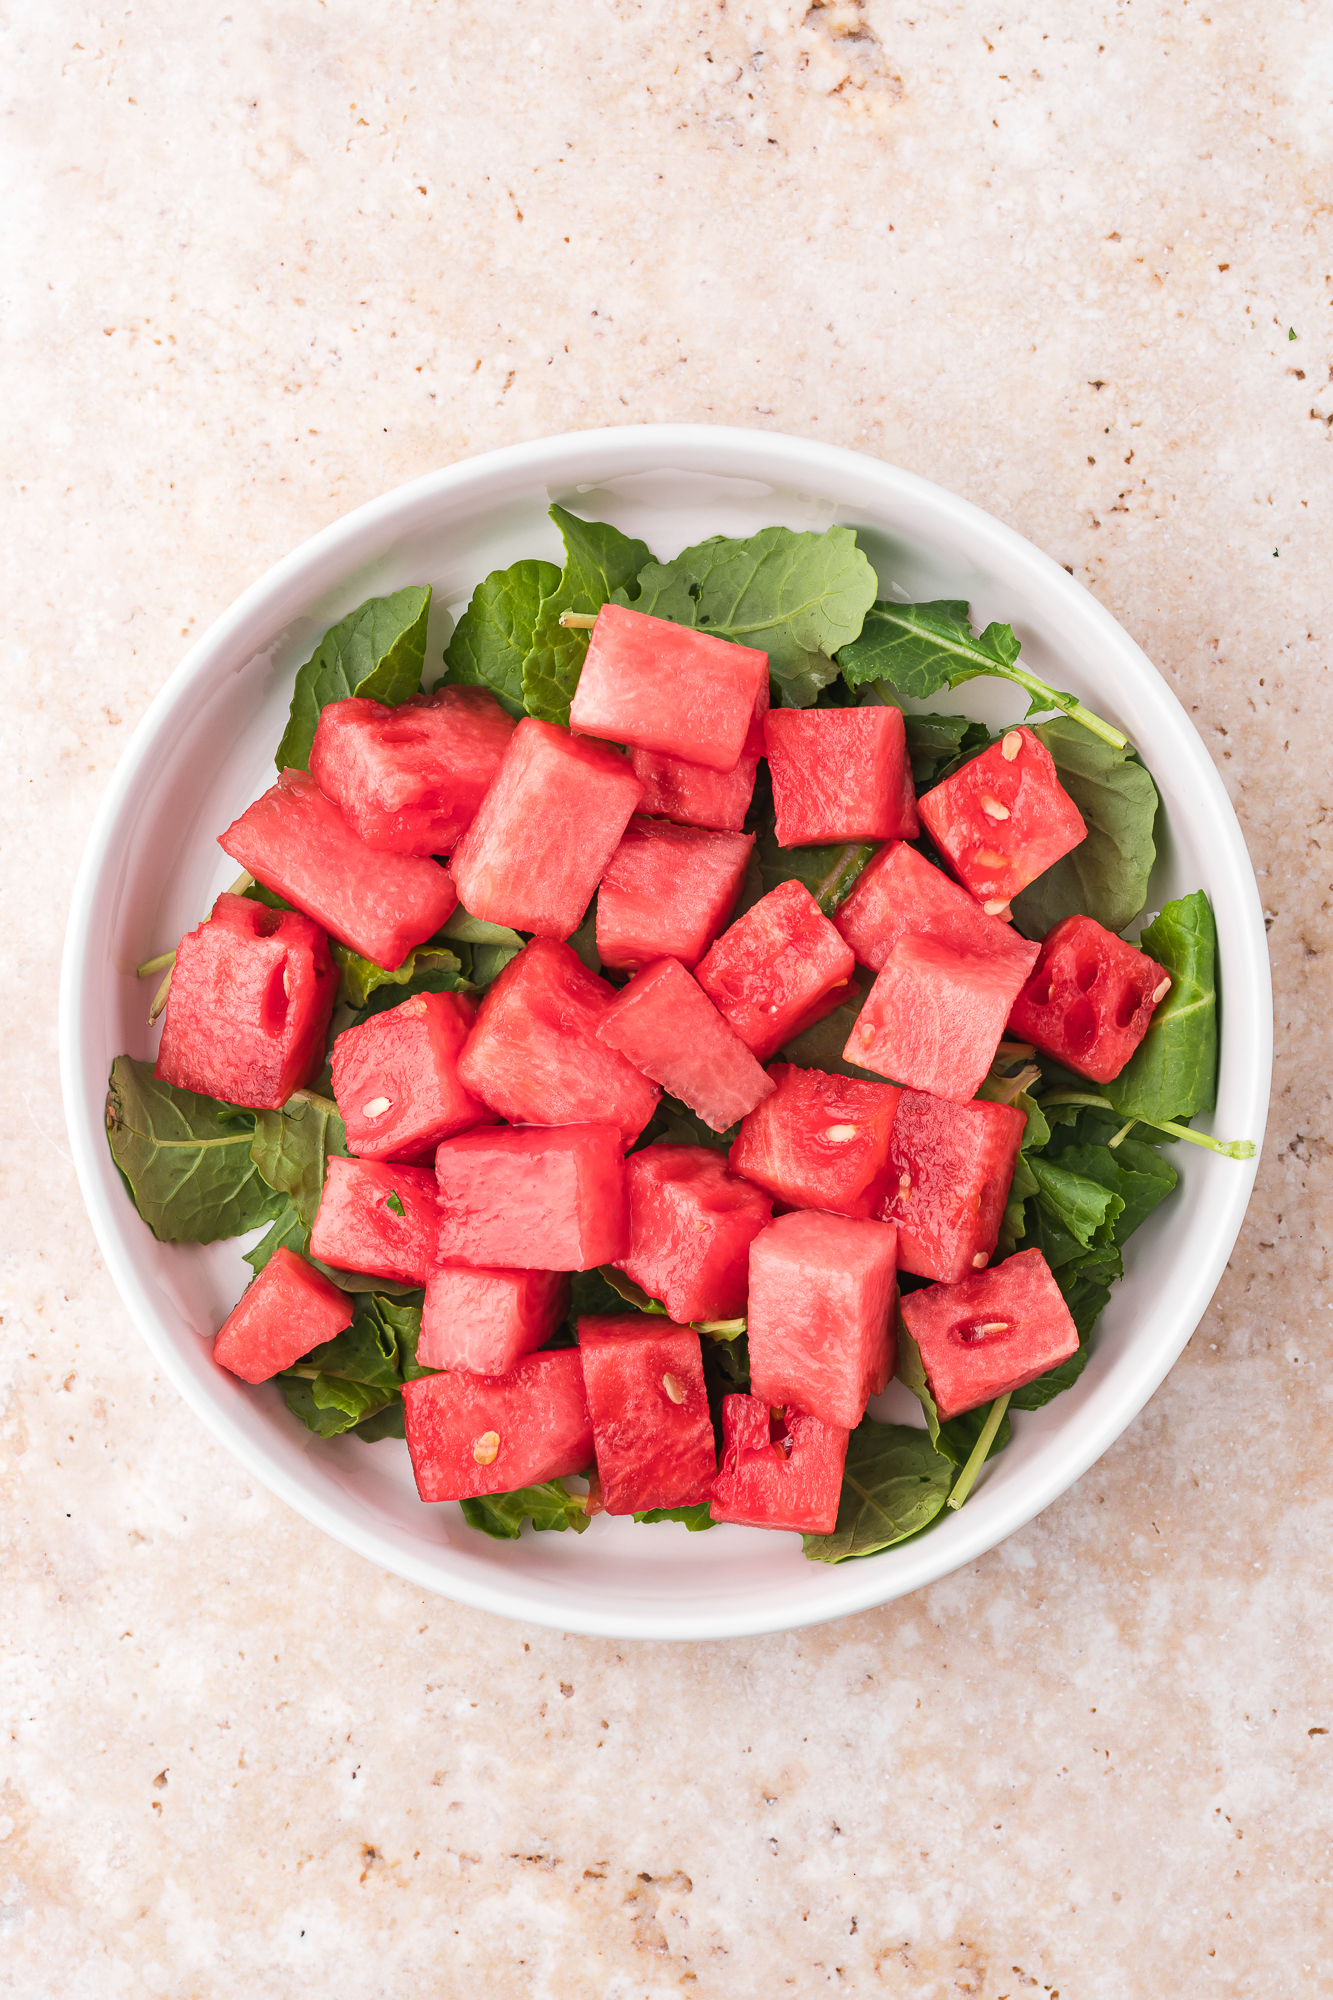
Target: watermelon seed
x=673, y=1389
x=1162, y=990
x=994, y=1326
x=1011, y=745
x=487, y=1448
x=375, y=1108
x=986, y=857
x=993, y=809
x=904, y=1185
x=840, y=1133
x=980, y=1261
x=997, y=907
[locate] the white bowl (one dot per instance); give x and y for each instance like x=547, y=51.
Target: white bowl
x=204, y=750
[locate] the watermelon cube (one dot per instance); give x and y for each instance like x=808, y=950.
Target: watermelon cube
x=667, y=892
x=409, y=779
x=664, y=687
x=821, y=1314
x=473, y=1434
x=934, y=1017
x=666, y=1025
x=1090, y=998
x=778, y=1471
x=696, y=796
x=644, y=1379
x=545, y=831
x=485, y=1321
x=377, y=1219
x=691, y=1224
x=535, y=1055
x=820, y=1141
x=991, y=1333
x=900, y=894
x=289, y=1309
x=950, y=1166
x=250, y=998
x=772, y=972
x=840, y=774
x=395, y=1078
x=533, y=1199
x=297, y=843
x=1003, y=819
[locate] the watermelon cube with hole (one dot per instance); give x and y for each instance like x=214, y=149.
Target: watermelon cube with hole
x=934, y=1017
x=777, y=970
x=644, y=1380
x=694, y=795
x=378, y=1219
x=665, y=1024
x=840, y=774
x=991, y=1333
x=474, y=1434
x=900, y=894
x=535, y=1055
x=297, y=843
x=1003, y=819
x=778, y=1470
x=289, y=1309
x=1090, y=998
x=820, y=1141
x=950, y=1166
x=660, y=686
x=251, y=993
x=545, y=830
x=691, y=1224
x=395, y=1078
x=667, y=892
x=533, y=1198
x=485, y=1321
x=409, y=779
x=821, y=1328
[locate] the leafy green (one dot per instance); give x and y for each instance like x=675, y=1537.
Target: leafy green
x=489, y=946
x=827, y=872
x=385, y=1423
x=955, y=1438
x=821, y=1047
x=378, y=651
x=185, y=1159
x=583, y=941
x=696, y=1519
x=628, y=1292
x=1173, y=1072
x=600, y=563
x=894, y=1483
x=935, y=742
x=426, y=969
x=501, y=1515
x=289, y=1232
x=1139, y=1190
x=674, y=1124
x=291, y=1146
x=1079, y=1206
x=492, y=638
x=1106, y=876
x=346, y=1379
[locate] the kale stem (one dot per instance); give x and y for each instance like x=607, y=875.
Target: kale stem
x=1123, y=1133
x=1074, y=709
x=578, y=621
x=160, y=997
x=720, y=1329
x=240, y=885
x=152, y=965
x=1231, y=1149
x=962, y=1486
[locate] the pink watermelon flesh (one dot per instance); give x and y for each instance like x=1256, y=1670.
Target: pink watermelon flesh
x=990, y=1334
x=1003, y=819
x=659, y=686
x=771, y=972
x=667, y=892
x=535, y=1054
x=395, y=1078
x=545, y=830
x=821, y=1326
x=696, y=796
x=359, y=1226
x=409, y=779
x=475, y=1434
x=297, y=843
x=289, y=1309
x=820, y=1141
x=840, y=774
x=665, y=1024
x=950, y=1166
x=901, y=895
x=644, y=1380
x=934, y=1017
x=691, y=1224
x=1090, y=998
x=778, y=1472
x=485, y=1321
x=544, y=1199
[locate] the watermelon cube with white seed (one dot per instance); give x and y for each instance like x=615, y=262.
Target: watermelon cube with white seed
x=545, y=830
x=777, y=970
x=474, y=1434
x=395, y=1078
x=694, y=795
x=534, y=1053
x=378, y=1219
x=778, y=1470
x=1003, y=819
x=991, y=1333
x=660, y=686
x=1090, y=999
x=667, y=892
x=950, y=1167
x=665, y=1024
x=485, y=1321
x=900, y=894
x=821, y=1325
x=534, y=1198
x=644, y=1379
x=820, y=1141
x=935, y=1016
x=290, y=1308
x=691, y=1224
x=409, y=779
x=840, y=774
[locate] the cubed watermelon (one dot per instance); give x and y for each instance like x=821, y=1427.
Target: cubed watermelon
x=778, y=1471
x=538, y=1198
x=1090, y=998
x=289, y=1309
x=992, y=1333
x=666, y=1025
x=696, y=796
x=664, y=687
x=485, y=1321
x=821, y=1327
x=395, y=1078
x=691, y=1224
x=644, y=1380
x=297, y=843
x=820, y=1141
x=934, y=1016
x=545, y=831
x=1003, y=819
x=535, y=1055
x=409, y=779
x=667, y=892
x=840, y=774
x=771, y=973
x=475, y=1434
x=950, y=1166
x=251, y=994
x=377, y=1219
x=900, y=894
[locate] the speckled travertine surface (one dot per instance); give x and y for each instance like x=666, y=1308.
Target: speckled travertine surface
x=259, y=266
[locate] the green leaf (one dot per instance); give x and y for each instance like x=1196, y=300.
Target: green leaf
x=956, y=1437
x=1086, y=1298
x=401, y=1322
x=188, y=1170
x=346, y=1379
x=394, y=1204
x=936, y=743
x=288, y=1232
x=628, y=1292
x=385, y=1423
x=489, y=946
x=821, y=1047
x=894, y=1483
x=492, y=638
x=827, y=872
x=1139, y=1192
x=377, y=651
x=1080, y=1206
x=1106, y=876
x=501, y=1515
x=1173, y=1072
x=674, y=1124
x=583, y=941
x=291, y=1146
x=599, y=563
x=426, y=969
x=696, y=1519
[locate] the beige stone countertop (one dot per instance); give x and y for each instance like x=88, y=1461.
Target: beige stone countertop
x=1074, y=262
